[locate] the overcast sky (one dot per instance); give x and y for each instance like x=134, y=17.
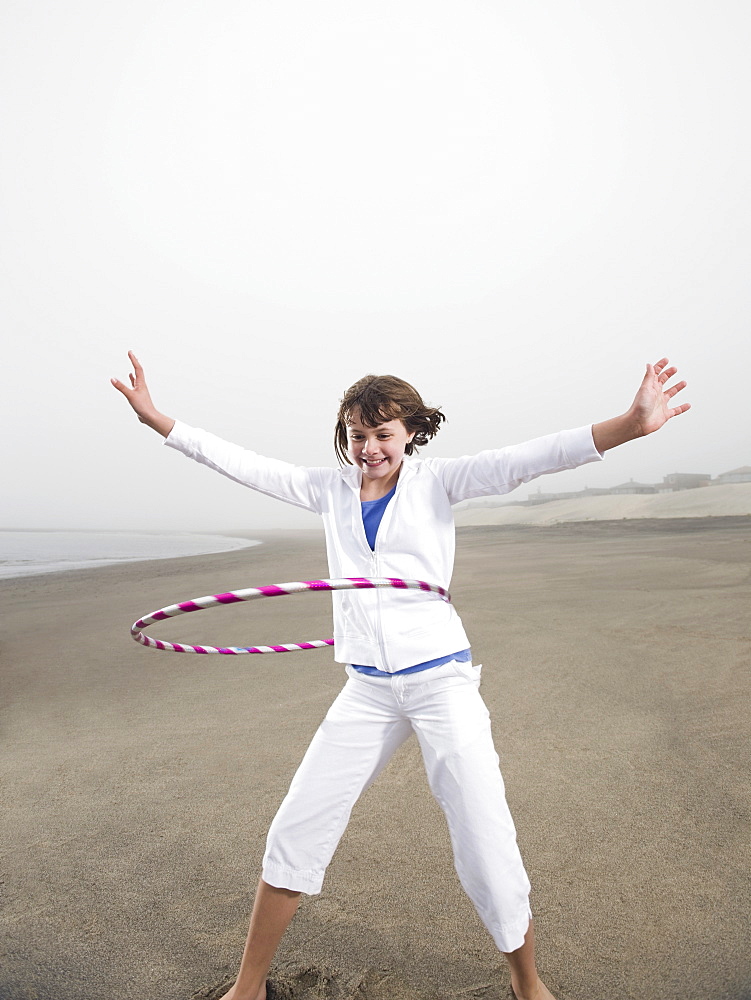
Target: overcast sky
x=513, y=205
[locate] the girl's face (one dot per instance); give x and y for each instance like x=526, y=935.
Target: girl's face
x=378, y=451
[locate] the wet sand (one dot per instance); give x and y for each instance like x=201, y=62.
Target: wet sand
x=138, y=785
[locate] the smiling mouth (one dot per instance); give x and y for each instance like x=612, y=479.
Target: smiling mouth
x=372, y=464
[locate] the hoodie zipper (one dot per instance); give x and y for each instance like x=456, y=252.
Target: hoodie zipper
x=388, y=516
x=373, y=553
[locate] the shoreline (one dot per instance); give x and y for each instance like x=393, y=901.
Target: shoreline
x=26, y=561
x=261, y=536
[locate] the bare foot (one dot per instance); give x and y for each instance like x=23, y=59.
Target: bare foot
x=232, y=994
x=538, y=992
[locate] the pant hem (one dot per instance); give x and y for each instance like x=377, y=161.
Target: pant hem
x=296, y=881
x=510, y=937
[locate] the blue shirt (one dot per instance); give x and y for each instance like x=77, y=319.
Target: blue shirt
x=372, y=515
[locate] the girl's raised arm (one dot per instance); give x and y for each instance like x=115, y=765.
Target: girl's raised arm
x=140, y=399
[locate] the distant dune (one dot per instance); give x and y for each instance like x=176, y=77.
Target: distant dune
x=711, y=501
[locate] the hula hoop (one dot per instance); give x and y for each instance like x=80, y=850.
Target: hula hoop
x=273, y=590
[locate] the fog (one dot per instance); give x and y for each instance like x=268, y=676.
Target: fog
x=513, y=206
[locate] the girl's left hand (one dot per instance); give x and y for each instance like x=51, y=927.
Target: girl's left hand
x=651, y=408
x=649, y=411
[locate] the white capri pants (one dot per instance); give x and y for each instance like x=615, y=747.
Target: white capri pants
x=371, y=717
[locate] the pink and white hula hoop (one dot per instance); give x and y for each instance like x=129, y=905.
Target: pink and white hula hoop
x=273, y=590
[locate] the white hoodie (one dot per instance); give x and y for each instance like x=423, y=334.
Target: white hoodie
x=392, y=629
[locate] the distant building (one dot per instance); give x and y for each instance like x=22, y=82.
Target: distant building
x=741, y=475
x=631, y=487
x=592, y=491
x=684, y=481
x=540, y=497
x=483, y=502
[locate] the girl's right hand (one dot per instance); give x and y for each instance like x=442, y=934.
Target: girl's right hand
x=140, y=399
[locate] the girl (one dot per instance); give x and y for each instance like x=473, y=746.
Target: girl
x=388, y=513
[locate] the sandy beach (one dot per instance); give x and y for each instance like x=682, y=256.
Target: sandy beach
x=138, y=785
x=732, y=500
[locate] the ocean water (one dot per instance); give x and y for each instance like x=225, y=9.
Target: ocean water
x=24, y=553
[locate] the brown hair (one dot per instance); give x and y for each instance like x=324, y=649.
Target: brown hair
x=380, y=398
